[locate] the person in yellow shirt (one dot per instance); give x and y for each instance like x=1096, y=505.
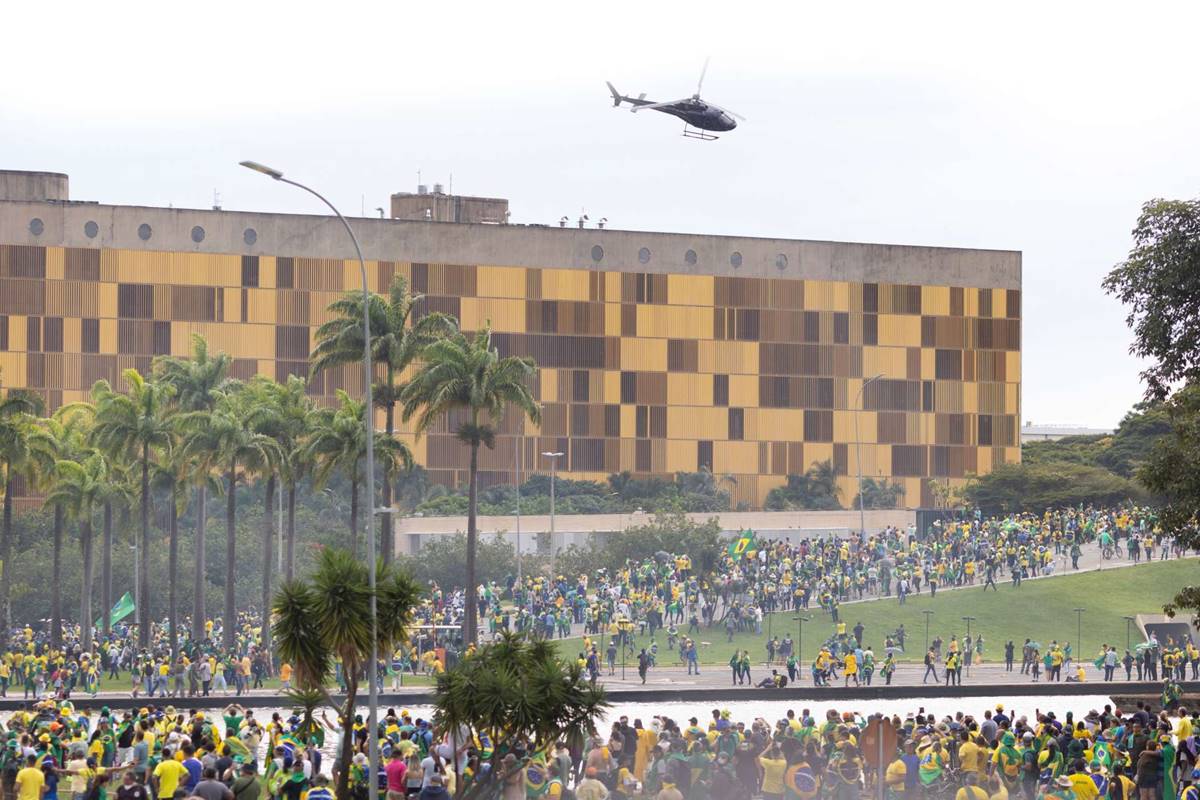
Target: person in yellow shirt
x=167, y=776
x=31, y=782
x=773, y=766
x=971, y=789
x=285, y=676
x=850, y=668
x=970, y=755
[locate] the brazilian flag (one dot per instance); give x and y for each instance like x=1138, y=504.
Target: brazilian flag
x=930, y=768
x=800, y=783
x=537, y=779
x=742, y=545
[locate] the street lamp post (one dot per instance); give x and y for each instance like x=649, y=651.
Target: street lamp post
x=928, y=613
x=554, y=456
x=369, y=423
x=1128, y=621
x=1079, y=633
x=967, y=654
x=520, y=582
x=862, y=516
x=800, y=620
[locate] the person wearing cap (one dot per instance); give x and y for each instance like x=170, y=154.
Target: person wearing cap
x=246, y=786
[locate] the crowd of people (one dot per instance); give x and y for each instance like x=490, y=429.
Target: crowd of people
x=55, y=751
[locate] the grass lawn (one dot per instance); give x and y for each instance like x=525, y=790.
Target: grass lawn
x=1041, y=610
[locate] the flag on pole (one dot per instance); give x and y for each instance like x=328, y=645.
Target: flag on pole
x=120, y=611
x=742, y=545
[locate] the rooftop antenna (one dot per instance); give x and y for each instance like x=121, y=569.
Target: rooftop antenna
x=451, y=183
x=418, y=177
x=216, y=200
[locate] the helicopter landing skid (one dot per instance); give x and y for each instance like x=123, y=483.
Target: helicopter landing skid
x=695, y=133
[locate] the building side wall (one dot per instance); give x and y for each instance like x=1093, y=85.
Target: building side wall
x=752, y=376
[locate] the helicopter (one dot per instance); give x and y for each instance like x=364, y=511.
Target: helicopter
x=699, y=116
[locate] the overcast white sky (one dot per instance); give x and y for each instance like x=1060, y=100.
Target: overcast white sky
x=1038, y=127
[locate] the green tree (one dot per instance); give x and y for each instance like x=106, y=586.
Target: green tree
x=519, y=694
x=172, y=476
x=669, y=532
x=398, y=338
x=1012, y=488
x=338, y=443
x=328, y=616
x=291, y=424
x=138, y=424
x=62, y=436
x=468, y=374
x=880, y=493
x=443, y=559
x=198, y=382
x=1160, y=283
x=816, y=489
x=19, y=412
x=227, y=438
x=78, y=486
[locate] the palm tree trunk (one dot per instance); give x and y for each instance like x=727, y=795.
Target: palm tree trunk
x=291, y=531
x=56, y=612
x=472, y=538
x=173, y=572
x=229, y=623
x=354, y=516
x=385, y=520
x=85, y=595
x=106, y=599
x=6, y=558
x=144, y=559
x=268, y=537
x=199, y=581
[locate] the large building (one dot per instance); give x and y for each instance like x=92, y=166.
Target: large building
x=659, y=352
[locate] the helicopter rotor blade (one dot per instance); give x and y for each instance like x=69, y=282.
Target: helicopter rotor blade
x=652, y=106
x=703, y=70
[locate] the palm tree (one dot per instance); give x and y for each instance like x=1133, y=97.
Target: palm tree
x=197, y=382
x=226, y=438
x=136, y=423
x=469, y=374
x=328, y=617
x=338, y=443
x=171, y=477
x=397, y=340
x=62, y=436
x=291, y=423
x=78, y=486
x=118, y=493
x=19, y=411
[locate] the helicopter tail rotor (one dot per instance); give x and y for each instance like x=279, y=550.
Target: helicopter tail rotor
x=617, y=98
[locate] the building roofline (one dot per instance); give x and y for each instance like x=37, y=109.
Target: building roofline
x=548, y=246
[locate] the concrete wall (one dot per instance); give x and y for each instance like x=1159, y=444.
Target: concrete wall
x=412, y=532
x=33, y=186
x=506, y=245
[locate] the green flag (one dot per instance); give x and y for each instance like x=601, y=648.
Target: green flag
x=742, y=545
x=120, y=611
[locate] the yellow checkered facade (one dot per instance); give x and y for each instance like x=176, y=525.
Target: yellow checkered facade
x=752, y=378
